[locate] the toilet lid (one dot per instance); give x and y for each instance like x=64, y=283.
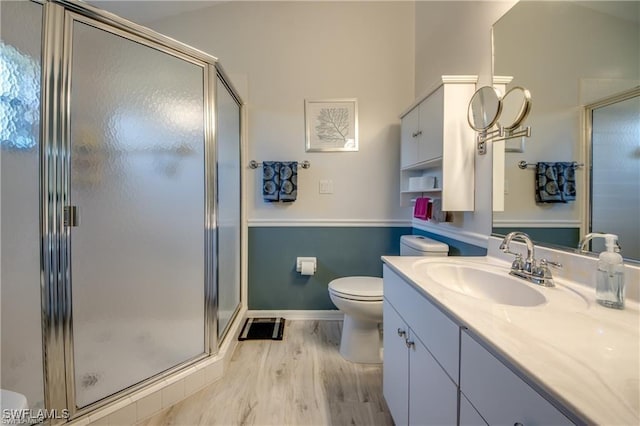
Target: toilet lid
x=12, y=400
x=360, y=288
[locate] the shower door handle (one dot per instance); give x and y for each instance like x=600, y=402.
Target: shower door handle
x=71, y=216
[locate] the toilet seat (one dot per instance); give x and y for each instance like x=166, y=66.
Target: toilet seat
x=366, y=289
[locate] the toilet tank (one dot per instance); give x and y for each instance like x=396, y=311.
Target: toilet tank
x=417, y=245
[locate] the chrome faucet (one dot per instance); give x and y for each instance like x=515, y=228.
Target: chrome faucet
x=529, y=263
x=583, y=242
x=529, y=269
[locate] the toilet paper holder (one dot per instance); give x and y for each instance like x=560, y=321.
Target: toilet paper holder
x=306, y=260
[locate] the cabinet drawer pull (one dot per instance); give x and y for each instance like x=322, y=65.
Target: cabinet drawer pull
x=401, y=332
x=518, y=424
x=419, y=133
x=409, y=343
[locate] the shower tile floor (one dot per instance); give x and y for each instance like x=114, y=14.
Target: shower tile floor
x=301, y=380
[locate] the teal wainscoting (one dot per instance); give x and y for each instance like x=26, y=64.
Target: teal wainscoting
x=456, y=248
x=274, y=284
x=567, y=237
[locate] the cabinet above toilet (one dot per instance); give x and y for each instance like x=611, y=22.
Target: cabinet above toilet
x=438, y=145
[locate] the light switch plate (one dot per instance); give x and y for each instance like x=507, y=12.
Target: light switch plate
x=325, y=186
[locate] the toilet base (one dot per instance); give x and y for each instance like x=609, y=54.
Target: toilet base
x=361, y=341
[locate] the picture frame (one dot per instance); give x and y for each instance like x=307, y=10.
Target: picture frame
x=331, y=125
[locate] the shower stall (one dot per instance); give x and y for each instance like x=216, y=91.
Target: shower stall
x=121, y=205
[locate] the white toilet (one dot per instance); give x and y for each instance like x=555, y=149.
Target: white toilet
x=13, y=405
x=360, y=299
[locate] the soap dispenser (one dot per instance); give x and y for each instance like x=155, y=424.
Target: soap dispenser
x=610, y=278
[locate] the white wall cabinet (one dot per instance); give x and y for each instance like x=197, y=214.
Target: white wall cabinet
x=422, y=130
x=435, y=373
x=436, y=140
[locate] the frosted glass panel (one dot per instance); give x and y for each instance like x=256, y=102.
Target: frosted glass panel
x=137, y=177
x=228, y=206
x=616, y=174
x=20, y=65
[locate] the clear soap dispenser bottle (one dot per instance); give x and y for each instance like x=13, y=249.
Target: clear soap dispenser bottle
x=610, y=279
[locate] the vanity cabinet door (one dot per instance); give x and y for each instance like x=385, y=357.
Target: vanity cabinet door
x=437, y=331
x=499, y=395
x=468, y=415
x=395, y=371
x=433, y=397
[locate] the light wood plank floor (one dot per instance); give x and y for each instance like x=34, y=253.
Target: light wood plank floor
x=301, y=380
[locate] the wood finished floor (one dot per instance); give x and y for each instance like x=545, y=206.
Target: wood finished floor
x=301, y=380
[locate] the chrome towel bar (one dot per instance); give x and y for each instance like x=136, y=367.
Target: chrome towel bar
x=523, y=164
x=253, y=164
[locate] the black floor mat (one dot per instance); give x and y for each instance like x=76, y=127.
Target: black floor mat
x=262, y=329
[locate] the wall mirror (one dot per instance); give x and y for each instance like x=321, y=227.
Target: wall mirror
x=581, y=62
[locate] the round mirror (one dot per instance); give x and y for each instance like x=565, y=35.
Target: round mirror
x=516, y=105
x=484, y=108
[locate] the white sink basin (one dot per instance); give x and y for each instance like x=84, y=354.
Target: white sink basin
x=482, y=282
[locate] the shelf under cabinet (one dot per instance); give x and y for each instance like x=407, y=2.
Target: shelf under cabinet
x=418, y=191
x=433, y=163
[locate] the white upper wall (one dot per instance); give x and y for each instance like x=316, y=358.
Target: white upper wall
x=280, y=53
x=454, y=37
x=383, y=53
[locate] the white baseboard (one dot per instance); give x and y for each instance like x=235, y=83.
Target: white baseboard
x=328, y=315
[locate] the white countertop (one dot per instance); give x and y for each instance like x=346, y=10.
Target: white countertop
x=584, y=355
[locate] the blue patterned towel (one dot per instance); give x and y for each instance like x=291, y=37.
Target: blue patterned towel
x=279, y=181
x=270, y=181
x=288, y=181
x=555, y=182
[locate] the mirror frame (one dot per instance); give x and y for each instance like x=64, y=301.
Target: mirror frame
x=525, y=107
x=476, y=96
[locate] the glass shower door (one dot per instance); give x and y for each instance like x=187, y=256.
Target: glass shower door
x=615, y=174
x=20, y=98
x=228, y=147
x=137, y=179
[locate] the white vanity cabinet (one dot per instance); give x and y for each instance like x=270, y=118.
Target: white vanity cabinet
x=395, y=371
x=468, y=415
x=498, y=394
x=416, y=386
x=436, y=373
x=436, y=141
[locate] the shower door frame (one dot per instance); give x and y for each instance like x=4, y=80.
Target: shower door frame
x=226, y=81
x=57, y=320
x=587, y=147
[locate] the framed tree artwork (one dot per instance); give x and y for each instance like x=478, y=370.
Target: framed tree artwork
x=331, y=125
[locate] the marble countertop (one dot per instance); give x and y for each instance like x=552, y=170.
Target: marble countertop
x=586, y=356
